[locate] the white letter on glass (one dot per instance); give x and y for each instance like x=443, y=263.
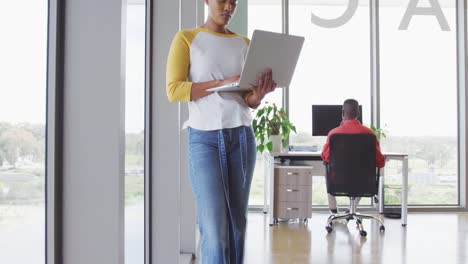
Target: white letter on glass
x=433, y=10
x=337, y=22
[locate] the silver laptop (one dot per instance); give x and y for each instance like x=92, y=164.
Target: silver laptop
x=279, y=52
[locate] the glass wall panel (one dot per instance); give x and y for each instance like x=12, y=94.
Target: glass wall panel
x=418, y=69
x=23, y=57
x=334, y=65
x=135, y=124
x=257, y=19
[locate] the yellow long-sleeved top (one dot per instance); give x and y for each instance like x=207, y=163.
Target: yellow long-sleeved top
x=201, y=55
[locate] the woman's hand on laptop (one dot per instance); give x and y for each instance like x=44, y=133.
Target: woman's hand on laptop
x=264, y=85
x=233, y=79
x=199, y=89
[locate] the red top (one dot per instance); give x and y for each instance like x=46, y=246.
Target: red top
x=353, y=127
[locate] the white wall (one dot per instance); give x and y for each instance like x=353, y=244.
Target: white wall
x=190, y=10
x=164, y=171
x=93, y=133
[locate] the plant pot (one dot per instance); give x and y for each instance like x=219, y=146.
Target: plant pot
x=277, y=146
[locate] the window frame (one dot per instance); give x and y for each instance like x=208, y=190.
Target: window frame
x=54, y=132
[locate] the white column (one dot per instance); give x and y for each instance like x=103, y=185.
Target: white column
x=188, y=215
x=91, y=168
x=164, y=143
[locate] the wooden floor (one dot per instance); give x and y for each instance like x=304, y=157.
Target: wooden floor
x=428, y=238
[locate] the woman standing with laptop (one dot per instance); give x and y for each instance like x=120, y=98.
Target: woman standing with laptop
x=222, y=148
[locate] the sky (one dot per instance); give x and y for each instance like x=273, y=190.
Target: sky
x=23, y=53
x=23, y=30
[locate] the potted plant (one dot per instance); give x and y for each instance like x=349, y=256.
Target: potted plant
x=272, y=128
x=379, y=132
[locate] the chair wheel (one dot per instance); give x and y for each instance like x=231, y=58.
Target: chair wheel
x=305, y=221
x=329, y=229
x=363, y=233
x=275, y=221
x=382, y=228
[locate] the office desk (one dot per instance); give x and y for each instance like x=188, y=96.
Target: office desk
x=269, y=178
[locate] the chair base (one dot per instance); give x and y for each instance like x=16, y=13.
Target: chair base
x=352, y=215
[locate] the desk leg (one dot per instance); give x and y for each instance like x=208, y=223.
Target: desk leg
x=381, y=191
x=404, y=193
x=266, y=176
x=271, y=183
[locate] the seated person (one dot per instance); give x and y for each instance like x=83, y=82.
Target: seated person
x=350, y=125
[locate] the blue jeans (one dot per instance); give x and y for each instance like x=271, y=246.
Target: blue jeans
x=221, y=166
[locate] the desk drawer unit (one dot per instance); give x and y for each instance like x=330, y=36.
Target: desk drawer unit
x=292, y=192
x=287, y=193
x=292, y=210
x=293, y=176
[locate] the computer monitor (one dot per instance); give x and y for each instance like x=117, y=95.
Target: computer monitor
x=327, y=117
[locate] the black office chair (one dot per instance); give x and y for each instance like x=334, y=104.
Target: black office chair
x=352, y=172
